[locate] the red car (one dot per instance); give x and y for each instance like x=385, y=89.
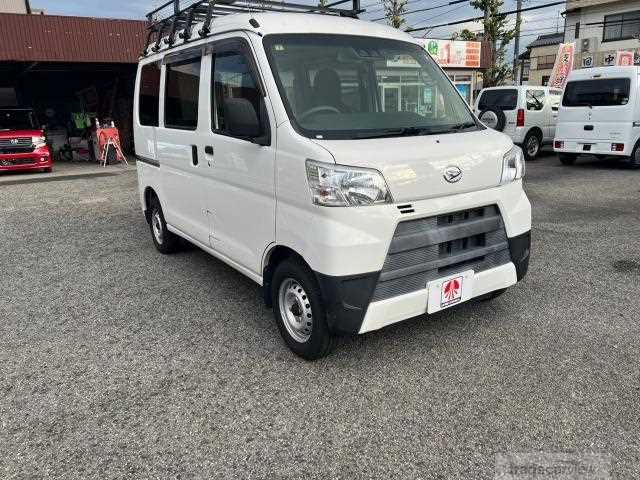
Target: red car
x=23, y=147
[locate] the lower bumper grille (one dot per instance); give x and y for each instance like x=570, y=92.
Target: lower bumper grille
x=17, y=161
x=429, y=248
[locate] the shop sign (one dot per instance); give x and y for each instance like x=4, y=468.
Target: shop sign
x=587, y=61
x=454, y=53
x=624, y=58
x=609, y=59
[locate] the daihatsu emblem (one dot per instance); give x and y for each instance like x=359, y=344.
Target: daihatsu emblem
x=14, y=141
x=452, y=174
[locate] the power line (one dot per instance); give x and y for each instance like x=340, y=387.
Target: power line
x=475, y=19
x=453, y=2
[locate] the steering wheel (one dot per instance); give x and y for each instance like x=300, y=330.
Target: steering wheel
x=319, y=108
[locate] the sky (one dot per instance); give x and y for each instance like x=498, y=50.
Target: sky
x=535, y=23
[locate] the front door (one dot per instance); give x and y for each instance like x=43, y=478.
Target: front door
x=240, y=174
x=391, y=98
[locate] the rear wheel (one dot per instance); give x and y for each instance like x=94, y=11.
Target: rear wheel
x=567, y=158
x=165, y=241
x=531, y=145
x=299, y=310
x=634, y=160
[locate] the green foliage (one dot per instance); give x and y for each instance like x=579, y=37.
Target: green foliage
x=394, y=11
x=499, y=35
x=465, y=34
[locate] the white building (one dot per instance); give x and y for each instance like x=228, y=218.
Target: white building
x=600, y=28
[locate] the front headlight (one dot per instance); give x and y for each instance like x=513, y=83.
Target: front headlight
x=38, y=141
x=512, y=165
x=340, y=186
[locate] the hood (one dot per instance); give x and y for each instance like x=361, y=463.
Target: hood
x=21, y=133
x=414, y=167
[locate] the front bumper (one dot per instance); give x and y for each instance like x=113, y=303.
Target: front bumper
x=39, y=159
x=348, y=299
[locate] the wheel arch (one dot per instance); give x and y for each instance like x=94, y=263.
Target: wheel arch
x=273, y=256
x=149, y=194
x=536, y=131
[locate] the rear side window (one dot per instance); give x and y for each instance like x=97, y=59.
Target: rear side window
x=181, y=95
x=503, y=99
x=535, y=99
x=149, y=100
x=597, y=92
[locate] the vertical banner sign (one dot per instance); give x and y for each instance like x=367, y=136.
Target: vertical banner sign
x=624, y=58
x=563, y=65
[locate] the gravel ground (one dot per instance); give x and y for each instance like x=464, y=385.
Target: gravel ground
x=118, y=362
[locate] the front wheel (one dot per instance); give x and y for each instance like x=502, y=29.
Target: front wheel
x=299, y=310
x=567, y=158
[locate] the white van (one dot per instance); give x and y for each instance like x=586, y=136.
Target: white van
x=600, y=115
x=526, y=113
x=268, y=141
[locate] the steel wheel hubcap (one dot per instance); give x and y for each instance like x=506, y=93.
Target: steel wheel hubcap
x=295, y=309
x=156, y=224
x=532, y=146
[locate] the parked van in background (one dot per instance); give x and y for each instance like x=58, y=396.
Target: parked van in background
x=526, y=113
x=600, y=115
x=267, y=142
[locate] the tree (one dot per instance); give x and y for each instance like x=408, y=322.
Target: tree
x=394, y=11
x=465, y=34
x=498, y=35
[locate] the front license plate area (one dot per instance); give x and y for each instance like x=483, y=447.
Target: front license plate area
x=449, y=291
x=586, y=148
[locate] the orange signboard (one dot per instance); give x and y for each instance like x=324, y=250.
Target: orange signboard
x=563, y=65
x=454, y=53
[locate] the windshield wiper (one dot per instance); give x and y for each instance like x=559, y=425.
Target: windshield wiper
x=396, y=132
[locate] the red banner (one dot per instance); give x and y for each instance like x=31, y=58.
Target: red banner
x=563, y=65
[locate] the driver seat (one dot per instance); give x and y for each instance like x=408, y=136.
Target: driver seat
x=327, y=90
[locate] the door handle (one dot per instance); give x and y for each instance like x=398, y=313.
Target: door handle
x=208, y=150
x=194, y=155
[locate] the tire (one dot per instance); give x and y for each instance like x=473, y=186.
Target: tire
x=531, y=145
x=297, y=302
x=165, y=241
x=493, y=118
x=567, y=158
x=634, y=159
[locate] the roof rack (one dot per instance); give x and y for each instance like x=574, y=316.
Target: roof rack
x=177, y=17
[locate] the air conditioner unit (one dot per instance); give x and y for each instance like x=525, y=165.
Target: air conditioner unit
x=589, y=45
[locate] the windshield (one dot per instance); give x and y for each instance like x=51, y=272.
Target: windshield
x=16, y=120
x=597, y=93
x=340, y=86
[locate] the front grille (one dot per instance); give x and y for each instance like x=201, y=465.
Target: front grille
x=16, y=145
x=429, y=248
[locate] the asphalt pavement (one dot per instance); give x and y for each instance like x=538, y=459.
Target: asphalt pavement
x=118, y=362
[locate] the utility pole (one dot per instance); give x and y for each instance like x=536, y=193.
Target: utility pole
x=516, y=41
x=486, y=40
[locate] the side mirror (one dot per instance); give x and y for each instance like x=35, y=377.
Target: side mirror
x=241, y=118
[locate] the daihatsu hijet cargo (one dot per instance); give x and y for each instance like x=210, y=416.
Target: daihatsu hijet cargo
x=331, y=161
x=600, y=115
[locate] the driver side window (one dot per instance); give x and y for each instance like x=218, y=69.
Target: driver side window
x=232, y=78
